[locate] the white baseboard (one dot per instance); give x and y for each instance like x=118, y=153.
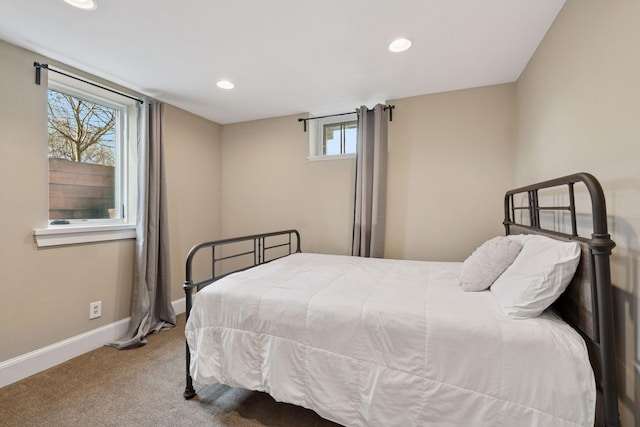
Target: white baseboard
x=23, y=366
x=179, y=305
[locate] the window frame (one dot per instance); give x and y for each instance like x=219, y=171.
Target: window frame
x=123, y=226
x=316, y=137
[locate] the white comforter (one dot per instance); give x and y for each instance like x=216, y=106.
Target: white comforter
x=369, y=342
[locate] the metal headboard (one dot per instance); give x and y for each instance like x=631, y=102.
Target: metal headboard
x=587, y=303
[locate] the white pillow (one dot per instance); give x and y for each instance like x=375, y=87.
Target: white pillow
x=538, y=276
x=487, y=263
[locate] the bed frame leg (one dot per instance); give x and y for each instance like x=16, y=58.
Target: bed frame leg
x=189, y=391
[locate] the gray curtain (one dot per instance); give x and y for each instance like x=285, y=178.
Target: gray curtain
x=371, y=183
x=151, y=309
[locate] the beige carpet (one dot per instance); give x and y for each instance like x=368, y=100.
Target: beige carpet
x=141, y=387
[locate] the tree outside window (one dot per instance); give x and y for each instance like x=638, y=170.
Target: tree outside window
x=82, y=158
x=80, y=130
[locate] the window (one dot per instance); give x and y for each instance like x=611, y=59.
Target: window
x=333, y=137
x=92, y=167
x=339, y=138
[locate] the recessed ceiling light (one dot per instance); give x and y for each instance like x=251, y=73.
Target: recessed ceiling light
x=225, y=84
x=399, y=45
x=82, y=4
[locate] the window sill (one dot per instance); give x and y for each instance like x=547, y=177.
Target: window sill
x=69, y=235
x=331, y=157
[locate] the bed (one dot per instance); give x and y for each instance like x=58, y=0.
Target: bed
x=380, y=342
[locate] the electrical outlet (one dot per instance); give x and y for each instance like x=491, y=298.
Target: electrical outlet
x=95, y=310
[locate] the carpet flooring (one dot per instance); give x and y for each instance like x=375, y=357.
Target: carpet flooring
x=140, y=387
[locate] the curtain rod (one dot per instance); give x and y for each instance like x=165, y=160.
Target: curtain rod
x=46, y=66
x=386, y=107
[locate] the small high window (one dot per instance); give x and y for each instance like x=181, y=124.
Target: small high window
x=333, y=137
x=339, y=138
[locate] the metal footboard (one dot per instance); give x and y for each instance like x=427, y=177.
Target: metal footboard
x=239, y=254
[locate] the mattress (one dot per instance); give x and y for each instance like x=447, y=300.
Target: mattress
x=375, y=342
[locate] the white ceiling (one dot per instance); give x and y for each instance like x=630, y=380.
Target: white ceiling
x=284, y=56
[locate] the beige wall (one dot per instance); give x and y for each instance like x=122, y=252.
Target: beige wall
x=579, y=110
x=453, y=148
x=194, y=189
x=45, y=293
x=450, y=163
x=268, y=184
